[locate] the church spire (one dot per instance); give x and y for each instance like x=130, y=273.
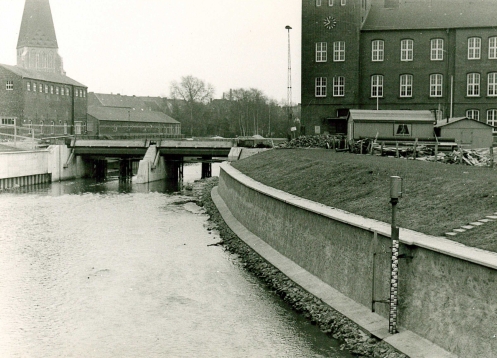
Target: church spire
x=37, y=47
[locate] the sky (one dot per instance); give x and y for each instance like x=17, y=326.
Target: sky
x=139, y=47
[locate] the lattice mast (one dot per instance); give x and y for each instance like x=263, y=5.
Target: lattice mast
x=289, y=82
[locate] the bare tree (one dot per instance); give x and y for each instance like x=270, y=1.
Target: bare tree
x=194, y=92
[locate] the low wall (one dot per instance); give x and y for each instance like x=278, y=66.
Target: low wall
x=41, y=166
x=446, y=290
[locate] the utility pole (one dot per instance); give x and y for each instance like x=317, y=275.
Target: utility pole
x=289, y=82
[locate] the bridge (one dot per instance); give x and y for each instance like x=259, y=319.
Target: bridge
x=132, y=148
x=158, y=158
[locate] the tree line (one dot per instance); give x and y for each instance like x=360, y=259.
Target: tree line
x=240, y=112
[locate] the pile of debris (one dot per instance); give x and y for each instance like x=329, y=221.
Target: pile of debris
x=418, y=151
x=473, y=157
x=316, y=141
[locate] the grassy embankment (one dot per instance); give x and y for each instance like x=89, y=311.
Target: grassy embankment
x=437, y=197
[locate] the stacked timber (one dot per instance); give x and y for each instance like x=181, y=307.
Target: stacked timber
x=316, y=141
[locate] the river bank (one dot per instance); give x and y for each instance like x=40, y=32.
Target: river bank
x=327, y=319
x=438, y=199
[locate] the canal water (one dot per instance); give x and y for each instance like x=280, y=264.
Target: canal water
x=124, y=270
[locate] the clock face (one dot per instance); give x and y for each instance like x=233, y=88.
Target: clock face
x=330, y=22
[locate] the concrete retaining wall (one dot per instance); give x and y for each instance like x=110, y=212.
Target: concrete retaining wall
x=42, y=166
x=446, y=290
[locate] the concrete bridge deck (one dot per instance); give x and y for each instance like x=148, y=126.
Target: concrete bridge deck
x=131, y=148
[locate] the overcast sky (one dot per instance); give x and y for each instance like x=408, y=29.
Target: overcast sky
x=138, y=47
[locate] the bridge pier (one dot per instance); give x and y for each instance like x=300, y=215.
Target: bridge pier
x=125, y=169
x=206, y=168
x=174, y=169
x=152, y=167
x=99, y=169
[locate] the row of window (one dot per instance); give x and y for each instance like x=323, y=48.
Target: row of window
x=63, y=91
x=79, y=127
x=406, y=85
x=407, y=50
x=331, y=2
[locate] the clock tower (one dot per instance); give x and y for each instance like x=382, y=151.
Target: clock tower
x=330, y=62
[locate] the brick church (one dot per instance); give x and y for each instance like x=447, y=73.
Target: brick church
x=437, y=55
x=36, y=92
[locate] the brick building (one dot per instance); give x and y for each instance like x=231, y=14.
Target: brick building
x=118, y=116
x=438, y=55
x=36, y=92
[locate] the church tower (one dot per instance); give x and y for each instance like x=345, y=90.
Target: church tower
x=37, y=47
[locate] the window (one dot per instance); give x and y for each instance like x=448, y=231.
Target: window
x=405, y=85
x=51, y=89
x=406, y=50
x=492, y=84
x=65, y=127
x=318, y=2
x=320, y=87
x=473, y=114
x=377, y=50
x=492, y=48
x=338, y=86
x=76, y=93
x=377, y=86
x=77, y=127
x=46, y=88
x=52, y=128
x=403, y=129
x=330, y=2
x=28, y=86
x=473, y=85
x=68, y=92
x=57, y=90
x=9, y=86
x=339, y=51
x=34, y=87
x=84, y=93
x=492, y=119
x=342, y=2
x=41, y=87
x=62, y=91
x=474, y=48
x=437, y=50
x=436, y=82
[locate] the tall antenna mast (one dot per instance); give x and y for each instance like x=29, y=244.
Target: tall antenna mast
x=289, y=82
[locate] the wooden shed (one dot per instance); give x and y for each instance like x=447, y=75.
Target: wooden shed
x=390, y=124
x=467, y=132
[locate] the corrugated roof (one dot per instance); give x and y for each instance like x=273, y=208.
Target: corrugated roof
x=444, y=122
x=431, y=14
x=42, y=76
x=37, y=29
x=391, y=115
x=128, y=114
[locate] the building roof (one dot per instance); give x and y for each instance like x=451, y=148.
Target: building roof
x=430, y=14
x=37, y=29
x=122, y=114
x=363, y=115
x=42, y=76
x=445, y=122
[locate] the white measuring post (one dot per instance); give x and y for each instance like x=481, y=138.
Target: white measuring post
x=395, y=194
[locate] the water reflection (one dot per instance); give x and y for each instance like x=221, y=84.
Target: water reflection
x=90, y=272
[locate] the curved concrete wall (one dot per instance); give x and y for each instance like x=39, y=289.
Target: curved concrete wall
x=447, y=291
